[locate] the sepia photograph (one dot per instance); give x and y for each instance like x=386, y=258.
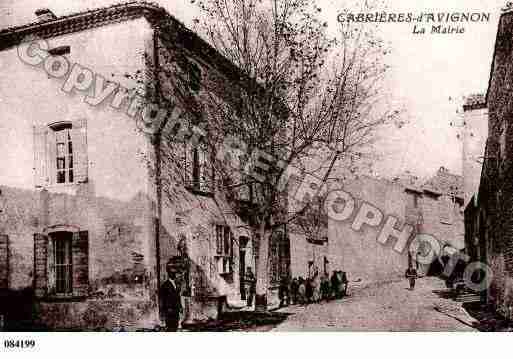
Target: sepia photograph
x=255, y=166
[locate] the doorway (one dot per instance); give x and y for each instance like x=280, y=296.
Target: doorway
x=243, y=241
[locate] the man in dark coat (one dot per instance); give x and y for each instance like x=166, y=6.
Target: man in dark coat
x=283, y=291
x=171, y=301
x=344, y=281
x=250, y=283
x=335, y=285
x=411, y=274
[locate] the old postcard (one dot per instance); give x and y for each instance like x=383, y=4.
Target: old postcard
x=255, y=165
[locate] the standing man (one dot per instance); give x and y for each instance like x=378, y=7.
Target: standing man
x=284, y=291
x=250, y=285
x=170, y=300
x=411, y=274
x=344, y=281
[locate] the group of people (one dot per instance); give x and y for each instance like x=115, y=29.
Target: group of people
x=313, y=289
x=291, y=291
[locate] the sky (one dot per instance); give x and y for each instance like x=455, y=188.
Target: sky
x=429, y=76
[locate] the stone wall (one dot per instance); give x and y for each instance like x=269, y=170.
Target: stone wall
x=115, y=205
x=496, y=191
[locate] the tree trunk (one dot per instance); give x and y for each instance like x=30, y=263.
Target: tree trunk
x=262, y=269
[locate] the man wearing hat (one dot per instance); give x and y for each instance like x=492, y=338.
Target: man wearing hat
x=170, y=299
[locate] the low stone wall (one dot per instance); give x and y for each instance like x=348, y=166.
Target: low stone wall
x=98, y=314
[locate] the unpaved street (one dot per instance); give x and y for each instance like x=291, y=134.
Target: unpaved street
x=385, y=307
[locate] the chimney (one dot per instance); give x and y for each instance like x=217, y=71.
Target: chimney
x=45, y=15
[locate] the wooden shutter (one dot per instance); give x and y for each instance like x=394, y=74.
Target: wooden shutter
x=51, y=157
x=80, y=157
x=4, y=261
x=40, y=265
x=80, y=253
x=40, y=156
x=50, y=267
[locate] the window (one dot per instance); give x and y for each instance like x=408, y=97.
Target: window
x=224, y=249
x=413, y=199
x=64, y=154
x=61, y=264
x=446, y=209
x=60, y=153
x=199, y=171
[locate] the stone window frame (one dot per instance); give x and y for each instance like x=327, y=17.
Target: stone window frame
x=199, y=169
x=63, y=129
x=224, y=240
x=46, y=156
x=44, y=271
x=56, y=239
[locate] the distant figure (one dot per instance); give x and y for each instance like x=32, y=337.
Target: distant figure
x=283, y=291
x=294, y=291
x=302, y=291
x=411, y=274
x=316, y=287
x=344, y=281
x=250, y=283
x=309, y=290
x=335, y=285
x=170, y=300
x=325, y=287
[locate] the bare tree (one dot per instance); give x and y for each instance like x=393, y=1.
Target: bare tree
x=313, y=102
x=301, y=102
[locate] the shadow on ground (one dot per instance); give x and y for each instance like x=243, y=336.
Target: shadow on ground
x=487, y=319
x=446, y=293
x=240, y=321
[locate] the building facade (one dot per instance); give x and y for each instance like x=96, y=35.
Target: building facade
x=488, y=218
x=91, y=208
x=433, y=207
x=475, y=132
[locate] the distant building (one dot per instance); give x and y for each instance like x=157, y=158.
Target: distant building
x=475, y=132
x=433, y=207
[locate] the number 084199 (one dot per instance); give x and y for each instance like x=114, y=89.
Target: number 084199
x=19, y=344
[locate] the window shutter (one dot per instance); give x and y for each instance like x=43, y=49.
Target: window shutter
x=80, y=253
x=40, y=265
x=40, y=156
x=51, y=157
x=50, y=267
x=80, y=158
x=4, y=261
x=219, y=238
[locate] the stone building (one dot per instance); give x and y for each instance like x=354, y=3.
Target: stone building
x=475, y=132
x=489, y=223
x=309, y=246
x=90, y=209
x=433, y=207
